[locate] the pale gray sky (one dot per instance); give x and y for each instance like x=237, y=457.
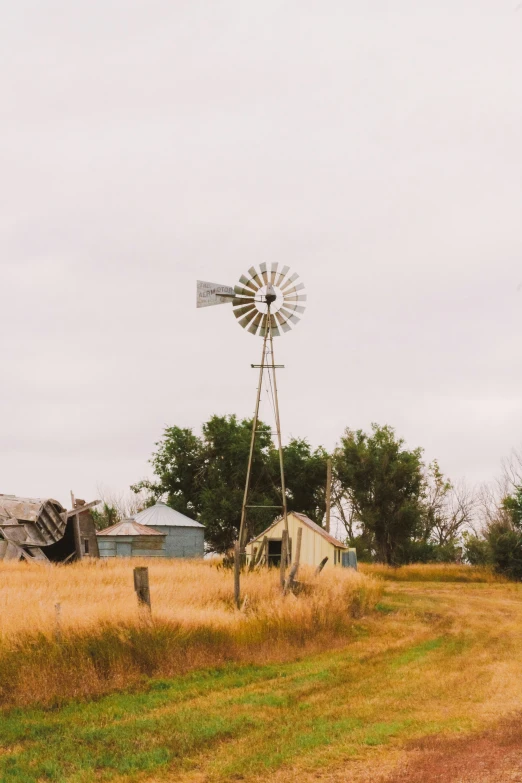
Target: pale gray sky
x=374, y=147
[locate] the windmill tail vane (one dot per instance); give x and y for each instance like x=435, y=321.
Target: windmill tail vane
x=261, y=298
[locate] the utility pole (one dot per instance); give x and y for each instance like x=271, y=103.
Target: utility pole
x=328, y=492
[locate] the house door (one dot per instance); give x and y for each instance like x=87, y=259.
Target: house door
x=274, y=552
x=123, y=549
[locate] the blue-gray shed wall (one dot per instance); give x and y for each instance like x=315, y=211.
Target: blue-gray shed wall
x=184, y=541
x=132, y=546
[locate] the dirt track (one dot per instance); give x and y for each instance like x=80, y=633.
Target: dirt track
x=494, y=756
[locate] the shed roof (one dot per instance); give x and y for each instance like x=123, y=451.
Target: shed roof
x=309, y=523
x=129, y=527
x=161, y=514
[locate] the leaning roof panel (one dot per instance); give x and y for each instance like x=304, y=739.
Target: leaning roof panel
x=129, y=527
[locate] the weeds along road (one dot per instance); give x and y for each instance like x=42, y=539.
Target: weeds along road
x=426, y=689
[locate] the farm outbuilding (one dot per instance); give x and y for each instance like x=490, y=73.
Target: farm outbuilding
x=316, y=544
x=41, y=529
x=184, y=536
x=130, y=539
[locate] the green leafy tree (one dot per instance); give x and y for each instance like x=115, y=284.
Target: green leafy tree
x=385, y=484
x=305, y=478
x=204, y=477
x=226, y=445
x=512, y=505
x=104, y=517
x=178, y=464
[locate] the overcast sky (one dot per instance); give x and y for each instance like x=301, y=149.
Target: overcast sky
x=376, y=148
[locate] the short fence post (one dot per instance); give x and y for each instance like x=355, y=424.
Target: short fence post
x=321, y=566
x=141, y=585
x=57, y=623
x=284, y=557
x=295, y=568
x=237, y=572
x=265, y=549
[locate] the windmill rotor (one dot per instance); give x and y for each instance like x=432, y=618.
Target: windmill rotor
x=263, y=297
x=269, y=297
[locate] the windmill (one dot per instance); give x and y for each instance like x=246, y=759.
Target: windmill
x=267, y=304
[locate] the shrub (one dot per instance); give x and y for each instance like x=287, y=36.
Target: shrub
x=505, y=544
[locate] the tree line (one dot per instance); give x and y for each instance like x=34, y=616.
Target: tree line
x=392, y=506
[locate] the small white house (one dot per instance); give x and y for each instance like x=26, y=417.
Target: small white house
x=316, y=544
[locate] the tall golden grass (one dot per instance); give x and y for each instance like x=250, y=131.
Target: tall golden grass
x=102, y=640
x=432, y=572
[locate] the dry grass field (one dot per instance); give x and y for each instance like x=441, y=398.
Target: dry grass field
x=425, y=688
x=432, y=572
x=102, y=640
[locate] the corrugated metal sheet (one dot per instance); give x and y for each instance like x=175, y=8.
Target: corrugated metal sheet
x=129, y=527
x=161, y=514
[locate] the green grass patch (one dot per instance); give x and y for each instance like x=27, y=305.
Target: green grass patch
x=241, y=721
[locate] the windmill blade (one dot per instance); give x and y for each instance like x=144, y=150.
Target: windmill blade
x=290, y=280
x=264, y=273
x=273, y=273
x=246, y=292
x=274, y=330
x=248, y=283
x=289, y=316
x=239, y=311
x=282, y=323
x=295, y=307
x=294, y=289
x=247, y=318
x=264, y=325
x=255, y=276
x=209, y=294
x=282, y=274
x=255, y=323
x=300, y=298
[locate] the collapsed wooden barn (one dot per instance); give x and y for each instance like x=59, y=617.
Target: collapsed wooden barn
x=41, y=529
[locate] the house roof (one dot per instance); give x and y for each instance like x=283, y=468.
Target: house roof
x=161, y=514
x=129, y=527
x=309, y=523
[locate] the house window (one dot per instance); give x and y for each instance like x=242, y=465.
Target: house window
x=86, y=546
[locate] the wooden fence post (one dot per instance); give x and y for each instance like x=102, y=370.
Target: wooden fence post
x=321, y=566
x=284, y=557
x=295, y=568
x=57, y=623
x=265, y=547
x=141, y=585
x=237, y=573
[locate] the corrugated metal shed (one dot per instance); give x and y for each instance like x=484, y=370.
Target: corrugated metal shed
x=185, y=536
x=161, y=514
x=130, y=539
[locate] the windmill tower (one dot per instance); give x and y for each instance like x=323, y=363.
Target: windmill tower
x=267, y=304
